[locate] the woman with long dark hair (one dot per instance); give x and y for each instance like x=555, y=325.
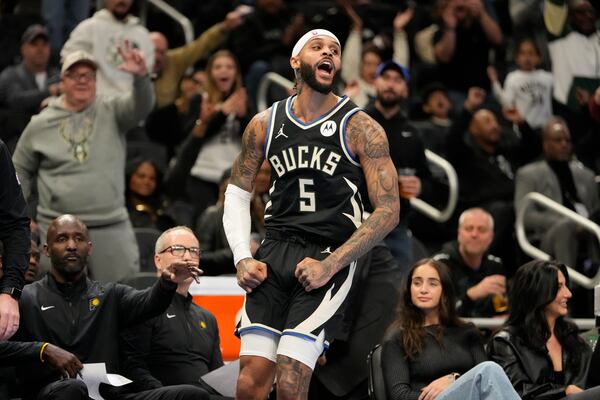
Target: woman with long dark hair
x=538, y=347
x=144, y=197
x=430, y=353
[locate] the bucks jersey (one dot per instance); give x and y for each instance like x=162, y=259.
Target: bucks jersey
x=315, y=178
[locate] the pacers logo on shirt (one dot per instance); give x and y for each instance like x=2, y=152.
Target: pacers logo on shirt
x=328, y=128
x=95, y=302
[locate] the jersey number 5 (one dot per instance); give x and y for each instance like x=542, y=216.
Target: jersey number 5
x=307, y=198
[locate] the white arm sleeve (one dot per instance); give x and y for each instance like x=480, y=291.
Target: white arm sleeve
x=236, y=221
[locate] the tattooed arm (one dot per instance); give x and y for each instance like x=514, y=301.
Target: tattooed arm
x=368, y=141
x=236, y=215
x=246, y=165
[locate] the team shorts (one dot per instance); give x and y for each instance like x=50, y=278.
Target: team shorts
x=280, y=306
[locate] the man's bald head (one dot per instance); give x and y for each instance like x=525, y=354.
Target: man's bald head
x=553, y=125
x=63, y=220
x=582, y=16
x=161, y=46
x=556, y=140
x=68, y=247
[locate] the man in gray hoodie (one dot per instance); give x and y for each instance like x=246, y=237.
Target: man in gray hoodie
x=75, y=149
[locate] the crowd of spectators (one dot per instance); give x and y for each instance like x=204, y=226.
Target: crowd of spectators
x=482, y=79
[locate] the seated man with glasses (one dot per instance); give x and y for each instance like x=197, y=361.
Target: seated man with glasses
x=180, y=345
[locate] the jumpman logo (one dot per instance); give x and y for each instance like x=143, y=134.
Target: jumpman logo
x=327, y=250
x=280, y=132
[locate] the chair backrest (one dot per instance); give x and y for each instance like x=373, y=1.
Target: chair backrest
x=146, y=239
x=147, y=150
x=376, y=382
x=141, y=280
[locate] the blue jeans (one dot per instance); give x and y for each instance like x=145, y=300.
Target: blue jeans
x=254, y=76
x=62, y=16
x=482, y=382
x=399, y=241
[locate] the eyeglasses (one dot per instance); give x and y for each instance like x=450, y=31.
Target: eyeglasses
x=178, y=251
x=84, y=77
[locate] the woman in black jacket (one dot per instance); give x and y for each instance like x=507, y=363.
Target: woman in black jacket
x=431, y=347
x=539, y=348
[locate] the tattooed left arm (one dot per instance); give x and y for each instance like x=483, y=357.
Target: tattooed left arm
x=368, y=141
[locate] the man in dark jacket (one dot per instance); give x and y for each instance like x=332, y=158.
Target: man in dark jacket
x=406, y=150
x=83, y=316
x=478, y=276
x=485, y=157
x=181, y=345
x=25, y=86
x=14, y=236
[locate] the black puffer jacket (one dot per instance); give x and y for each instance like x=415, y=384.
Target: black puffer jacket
x=531, y=370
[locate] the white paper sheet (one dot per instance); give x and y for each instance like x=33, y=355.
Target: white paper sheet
x=94, y=374
x=223, y=379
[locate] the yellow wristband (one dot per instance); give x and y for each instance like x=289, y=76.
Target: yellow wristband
x=42, y=351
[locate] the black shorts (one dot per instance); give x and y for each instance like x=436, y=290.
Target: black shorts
x=280, y=304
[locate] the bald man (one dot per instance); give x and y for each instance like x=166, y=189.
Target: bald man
x=170, y=65
x=485, y=157
x=477, y=275
x=182, y=344
x=567, y=182
x=82, y=316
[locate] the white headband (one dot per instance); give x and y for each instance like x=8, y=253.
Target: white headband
x=310, y=35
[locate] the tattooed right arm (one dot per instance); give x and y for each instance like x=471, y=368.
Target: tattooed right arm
x=248, y=162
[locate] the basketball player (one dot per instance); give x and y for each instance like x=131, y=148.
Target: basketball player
x=322, y=149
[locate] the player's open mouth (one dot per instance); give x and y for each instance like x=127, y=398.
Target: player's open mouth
x=325, y=68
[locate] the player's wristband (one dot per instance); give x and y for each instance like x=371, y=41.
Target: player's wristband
x=42, y=351
x=236, y=221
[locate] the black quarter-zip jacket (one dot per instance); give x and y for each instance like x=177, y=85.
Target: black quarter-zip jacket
x=177, y=347
x=84, y=318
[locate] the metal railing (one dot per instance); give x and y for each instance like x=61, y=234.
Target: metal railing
x=420, y=205
x=535, y=252
x=583, y=324
x=186, y=25
x=426, y=208
x=263, y=88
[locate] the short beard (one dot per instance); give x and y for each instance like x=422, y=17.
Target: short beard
x=389, y=103
x=120, y=16
x=66, y=272
x=308, y=76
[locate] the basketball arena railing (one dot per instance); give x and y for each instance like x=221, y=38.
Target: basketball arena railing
x=535, y=252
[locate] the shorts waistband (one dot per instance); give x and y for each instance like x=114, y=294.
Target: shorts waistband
x=302, y=240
